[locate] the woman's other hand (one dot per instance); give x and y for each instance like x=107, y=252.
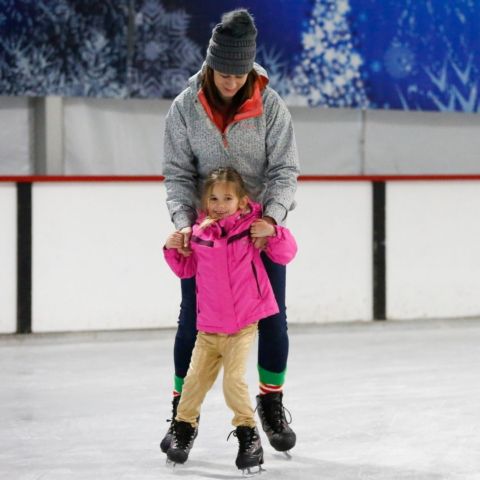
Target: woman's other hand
x=175, y=240
x=184, y=249
x=262, y=228
x=180, y=240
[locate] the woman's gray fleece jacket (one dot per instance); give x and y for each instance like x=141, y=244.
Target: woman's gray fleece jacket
x=262, y=149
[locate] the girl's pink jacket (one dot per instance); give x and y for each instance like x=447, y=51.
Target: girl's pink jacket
x=233, y=289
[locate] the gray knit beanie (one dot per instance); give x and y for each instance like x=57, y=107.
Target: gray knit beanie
x=232, y=47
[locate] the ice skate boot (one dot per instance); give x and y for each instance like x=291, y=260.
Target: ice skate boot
x=250, y=451
x=167, y=439
x=272, y=415
x=182, y=442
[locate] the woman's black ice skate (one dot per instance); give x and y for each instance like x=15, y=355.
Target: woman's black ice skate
x=250, y=451
x=167, y=439
x=272, y=415
x=182, y=442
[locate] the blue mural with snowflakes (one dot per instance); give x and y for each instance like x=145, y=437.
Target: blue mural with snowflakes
x=419, y=55
x=69, y=48
x=164, y=55
x=386, y=54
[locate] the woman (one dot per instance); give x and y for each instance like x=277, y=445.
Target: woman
x=229, y=116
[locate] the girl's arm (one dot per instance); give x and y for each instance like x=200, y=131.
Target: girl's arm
x=180, y=260
x=181, y=266
x=280, y=246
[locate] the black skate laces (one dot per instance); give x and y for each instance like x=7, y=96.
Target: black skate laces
x=175, y=402
x=183, y=434
x=246, y=436
x=274, y=413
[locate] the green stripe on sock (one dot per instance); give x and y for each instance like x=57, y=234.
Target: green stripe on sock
x=271, y=377
x=178, y=383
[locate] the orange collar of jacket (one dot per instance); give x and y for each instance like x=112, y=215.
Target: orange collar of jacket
x=252, y=107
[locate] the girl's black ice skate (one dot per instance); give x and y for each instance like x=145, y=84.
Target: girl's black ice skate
x=250, y=451
x=272, y=415
x=167, y=439
x=182, y=442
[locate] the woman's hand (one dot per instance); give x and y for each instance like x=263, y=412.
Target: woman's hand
x=260, y=230
x=175, y=240
x=186, y=233
x=180, y=240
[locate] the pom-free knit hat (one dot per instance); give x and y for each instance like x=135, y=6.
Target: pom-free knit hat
x=232, y=47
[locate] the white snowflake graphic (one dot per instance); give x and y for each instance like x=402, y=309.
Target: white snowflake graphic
x=328, y=73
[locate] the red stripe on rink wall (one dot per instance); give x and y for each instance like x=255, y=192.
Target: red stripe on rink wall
x=301, y=178
x=385, y=178
x=379, y=182
x=81, y=178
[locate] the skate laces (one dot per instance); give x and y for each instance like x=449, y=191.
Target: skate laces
x=175, y=402
x=245, y=435
x=183, y=434
x=274, y=412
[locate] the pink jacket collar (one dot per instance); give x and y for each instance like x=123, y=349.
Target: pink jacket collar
x=225, y=225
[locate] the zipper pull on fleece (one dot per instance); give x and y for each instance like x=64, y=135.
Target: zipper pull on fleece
x=224, y=139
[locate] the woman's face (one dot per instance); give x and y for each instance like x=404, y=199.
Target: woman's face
x=228, y=85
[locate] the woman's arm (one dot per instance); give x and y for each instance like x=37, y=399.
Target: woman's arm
x=282, y=158
x=179, y=170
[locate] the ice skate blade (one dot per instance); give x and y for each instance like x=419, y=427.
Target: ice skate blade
x=171, y=464
x=247, y=472
x=288, y=455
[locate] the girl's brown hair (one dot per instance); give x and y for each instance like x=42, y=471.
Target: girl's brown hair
x=224, y=174
x=213, y=95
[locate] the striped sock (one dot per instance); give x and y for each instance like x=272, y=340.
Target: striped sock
x=270, y=382
x=269, y=388
x=177, y=386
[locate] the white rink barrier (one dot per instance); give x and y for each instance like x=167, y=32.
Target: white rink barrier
x=97, y=262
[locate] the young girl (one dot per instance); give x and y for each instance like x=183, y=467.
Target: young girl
x=233, y=294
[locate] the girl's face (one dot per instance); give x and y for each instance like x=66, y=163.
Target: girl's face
x=223, y=200
x=228, y=85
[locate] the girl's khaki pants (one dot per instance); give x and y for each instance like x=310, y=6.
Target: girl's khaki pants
x=212, y=350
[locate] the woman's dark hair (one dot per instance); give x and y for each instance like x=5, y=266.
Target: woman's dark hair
x=213, y=95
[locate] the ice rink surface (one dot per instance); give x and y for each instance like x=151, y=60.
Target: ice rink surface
x=376, y=401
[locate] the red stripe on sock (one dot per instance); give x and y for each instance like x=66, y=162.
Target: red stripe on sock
x=268, y=388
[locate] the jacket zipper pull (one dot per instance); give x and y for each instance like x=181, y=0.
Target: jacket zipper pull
x=224, y=140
